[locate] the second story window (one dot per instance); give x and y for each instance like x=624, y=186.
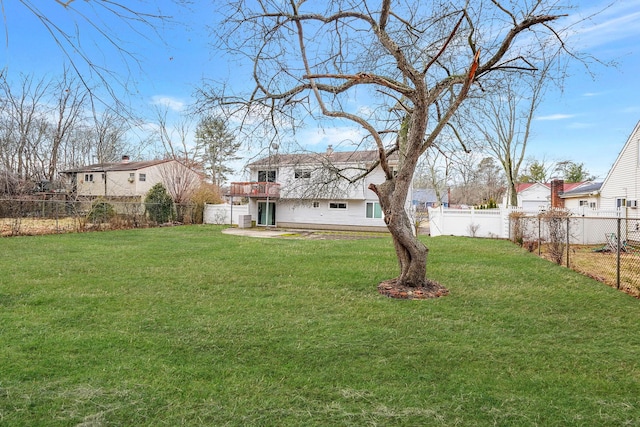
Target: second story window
x=88, y=177
x=142, y=177
x=300, y=173
x=267, y=176
x=337, y=205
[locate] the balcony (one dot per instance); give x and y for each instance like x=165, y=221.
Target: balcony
x=255, y=189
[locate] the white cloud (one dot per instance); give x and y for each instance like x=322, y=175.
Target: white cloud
x=605, y=23
x=172, y=103
x=337, y=136
x=556, y=117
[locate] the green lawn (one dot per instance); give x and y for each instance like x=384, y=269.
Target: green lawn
x=189, y=326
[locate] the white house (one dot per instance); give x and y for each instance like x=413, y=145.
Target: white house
x=585, y=196
x=621, y=187
x=310, y=191
x=533, y=196
x=130, y=180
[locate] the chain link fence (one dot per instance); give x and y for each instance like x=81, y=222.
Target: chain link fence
x=606, y=249
x=31, y=216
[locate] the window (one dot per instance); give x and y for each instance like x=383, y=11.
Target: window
x=337, y=205
x=374, y=210
x=142, y=177
x=102, y=177
x=592, y=205
x=621, y=203
x=88, y=177
x=267, y=176
x=584, y=203
x=132, y=177
x=316, y=204
x=299, y=173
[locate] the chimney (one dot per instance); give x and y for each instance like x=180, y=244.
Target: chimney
x=557, y=188
x=125, y=159
x=329, y=150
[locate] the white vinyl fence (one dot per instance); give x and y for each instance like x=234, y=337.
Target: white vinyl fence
x=224, y=213
x=494, y=223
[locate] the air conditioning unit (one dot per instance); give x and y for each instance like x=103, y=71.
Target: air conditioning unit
x=633, y=204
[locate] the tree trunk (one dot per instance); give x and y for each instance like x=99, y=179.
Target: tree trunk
x=411, y=252
x=513, y=194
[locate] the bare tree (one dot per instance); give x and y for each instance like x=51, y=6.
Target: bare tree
x=109, y=136
x=105, y=24
x=26, y=118
x=180, y=181
x=419, y=61
x=69, y=102
x=434, y=171
x=505, y=124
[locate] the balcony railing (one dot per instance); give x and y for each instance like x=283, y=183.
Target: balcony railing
x=255, y=189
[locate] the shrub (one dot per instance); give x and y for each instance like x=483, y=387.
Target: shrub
x=159, y=204
x=556, y=221
x=518, y=226
x=101, y=212
x=206, y=193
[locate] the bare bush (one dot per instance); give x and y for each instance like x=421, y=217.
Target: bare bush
x=555, y=221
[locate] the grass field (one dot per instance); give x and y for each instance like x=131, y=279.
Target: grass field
x=189, y=326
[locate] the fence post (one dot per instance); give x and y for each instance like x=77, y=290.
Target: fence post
x=539, y=237
x=619, y=243
x=568, y=242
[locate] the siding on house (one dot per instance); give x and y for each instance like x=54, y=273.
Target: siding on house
x=300, y=214
x=128, y=179
x=585, y=196
x=308, y=200
x=623, y=180
x=533, y=196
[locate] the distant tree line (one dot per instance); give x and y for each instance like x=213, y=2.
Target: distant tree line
x=475, y=180
x=49, y=125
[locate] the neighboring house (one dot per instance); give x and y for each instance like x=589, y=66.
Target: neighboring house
x=584, y=196
x=306, y=191
x=127, y=179
x=621, y=187
x=534, y=196
x=426, y=198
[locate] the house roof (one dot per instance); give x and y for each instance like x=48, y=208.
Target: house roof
x=568, y=186
x=428, y=195
x=631, y=138
x=320, y=158
x=584, y=188
x=117, y=166
x=526, y=185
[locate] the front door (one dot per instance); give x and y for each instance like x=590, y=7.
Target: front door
x=266, y=213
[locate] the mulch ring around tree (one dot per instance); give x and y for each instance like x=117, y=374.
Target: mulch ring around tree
x=391, y=289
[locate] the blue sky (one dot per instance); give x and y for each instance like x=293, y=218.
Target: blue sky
x=587, y=121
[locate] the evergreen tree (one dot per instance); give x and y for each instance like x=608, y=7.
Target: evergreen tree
x=216, y=146
x=159, y=204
